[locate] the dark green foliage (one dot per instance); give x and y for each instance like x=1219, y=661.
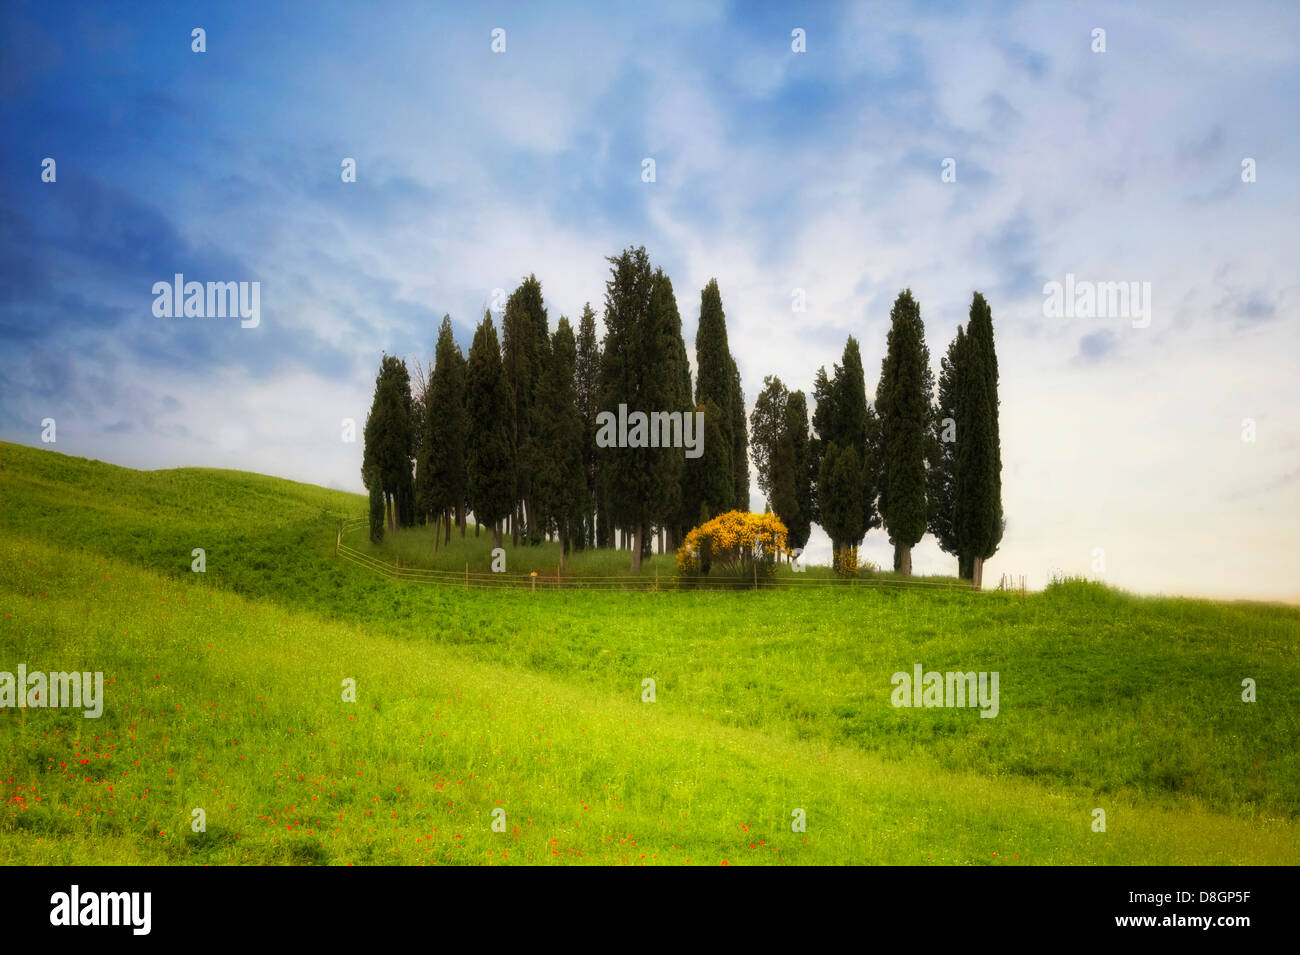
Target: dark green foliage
x=717, y=382
x=491, y=464
x=941, y=471
x=839, y=488
x=390, y=438
x=843, y=417
x=979, y=329
x=376, y=513
x=665, y=387
x=739, y=442
x=709, y=476
x=446, y=426
x=799, y=527
x=524, y=350
x=978, y=497
x=587, y=394
x=627, y=479
x=774, y=425
x=903, y=403
x=559, y=486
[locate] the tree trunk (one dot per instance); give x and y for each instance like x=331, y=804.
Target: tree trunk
x=496, y=534
x=636, y=550
x=977, y=572
x=661, y=538
x=448, y=526
x=563, y=547
x=904, y=561
x=392, y=512
x=476, y=527
x=437, y=532
x=460, y=517
x=514, y=525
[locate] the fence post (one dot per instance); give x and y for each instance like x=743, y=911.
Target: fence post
x=534, y=580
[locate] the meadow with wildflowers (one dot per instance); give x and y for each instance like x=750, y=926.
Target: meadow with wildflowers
x=510, y=727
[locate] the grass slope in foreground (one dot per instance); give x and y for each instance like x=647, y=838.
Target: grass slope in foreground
x=224, y=694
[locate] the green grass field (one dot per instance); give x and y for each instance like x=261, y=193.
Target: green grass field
x=224, y=692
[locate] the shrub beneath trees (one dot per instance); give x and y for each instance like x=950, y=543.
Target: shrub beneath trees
x=742, y=544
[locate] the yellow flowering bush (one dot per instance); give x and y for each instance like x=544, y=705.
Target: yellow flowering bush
x=737, y=541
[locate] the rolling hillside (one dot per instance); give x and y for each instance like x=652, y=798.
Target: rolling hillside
x=224, y=692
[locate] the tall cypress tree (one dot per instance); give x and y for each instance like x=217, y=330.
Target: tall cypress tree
x=845, y=418
x=799, y=527
x=740, y=440
x=525, y=347
x=390, y=441
x=903, y=402
x=839, y=488
x=491, y=464
x=446, y=430
x=587, y=386
x=560, y=486
x=716, y=384
x=979, y=517
x=666, y=388
x=941, y=472
x=773, y=450
x=626, y=476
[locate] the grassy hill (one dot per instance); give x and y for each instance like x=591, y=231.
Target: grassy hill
x=224, y=693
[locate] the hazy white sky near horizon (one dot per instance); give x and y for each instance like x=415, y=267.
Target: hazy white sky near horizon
x=775, y=171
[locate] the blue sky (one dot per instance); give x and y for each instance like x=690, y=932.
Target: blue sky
x=775, y=170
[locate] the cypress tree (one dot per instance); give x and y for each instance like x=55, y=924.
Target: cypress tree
x=446, y=430
x=491, y=465
x=903, y=401
x=525, y=347
x=844, y=417
x=839, y=488
x=978, y=485
x=560, y=487
x=587, y=386
x=941, y=473
x=740, y=441
x=666, y=388
x=716, y=385
x=773, y=449
x=799, y=527
x=390, y=441
x=626, y=477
